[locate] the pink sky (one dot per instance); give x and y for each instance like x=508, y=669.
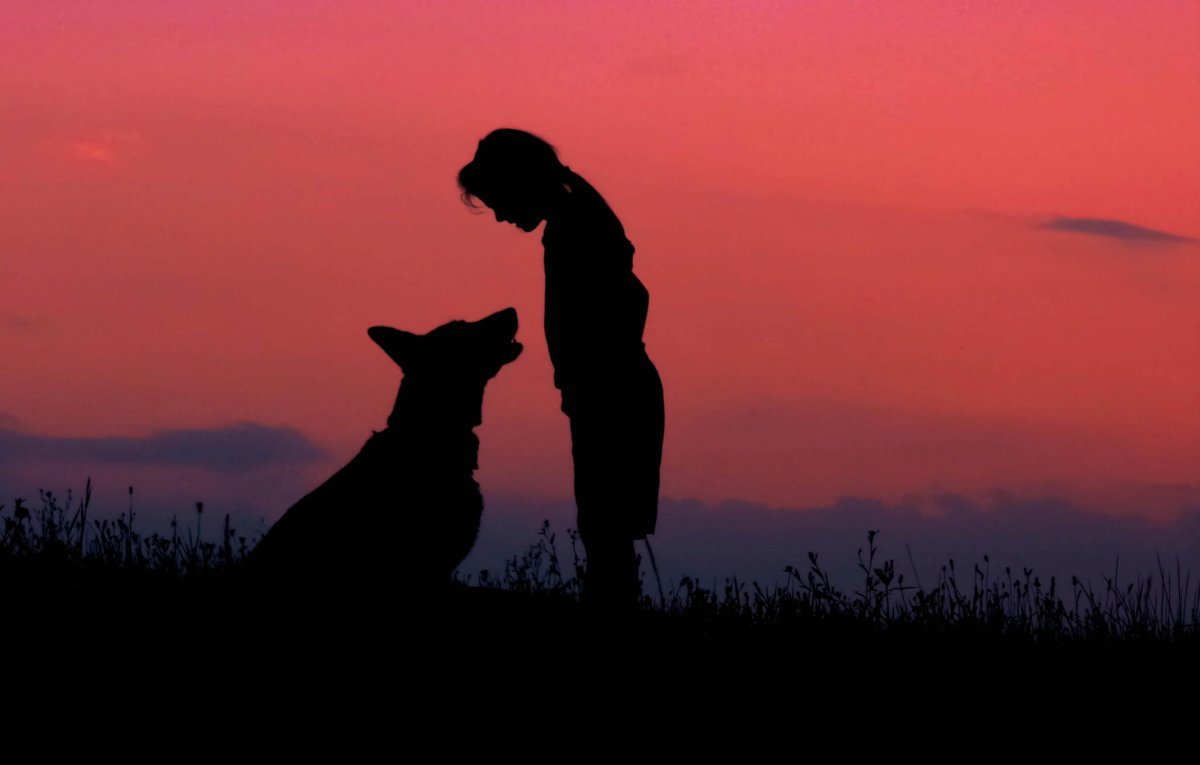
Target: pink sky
x=840, y=210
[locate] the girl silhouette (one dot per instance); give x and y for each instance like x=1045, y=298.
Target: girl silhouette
x=594, y=317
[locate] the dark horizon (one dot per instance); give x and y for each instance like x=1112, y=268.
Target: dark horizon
x=1051, y=536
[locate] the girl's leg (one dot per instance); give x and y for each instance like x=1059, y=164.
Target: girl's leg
x=616, y=443
x=611, y=577
x=611, y=580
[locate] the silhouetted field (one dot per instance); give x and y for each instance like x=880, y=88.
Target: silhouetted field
x=77, y=587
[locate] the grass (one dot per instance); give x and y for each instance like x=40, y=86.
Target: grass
x=59, y=535
x=56, y=557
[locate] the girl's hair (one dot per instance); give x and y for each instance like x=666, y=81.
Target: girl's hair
x=509, y=159
x=515, y=160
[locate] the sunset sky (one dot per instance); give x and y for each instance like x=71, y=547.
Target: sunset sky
x=894, y=250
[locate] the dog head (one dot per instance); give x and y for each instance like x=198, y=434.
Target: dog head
x=446, y=369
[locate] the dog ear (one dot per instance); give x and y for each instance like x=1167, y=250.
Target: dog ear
x=401, y=346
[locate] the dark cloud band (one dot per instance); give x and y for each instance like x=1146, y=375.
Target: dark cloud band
x=1114, y=229
x=245, y=446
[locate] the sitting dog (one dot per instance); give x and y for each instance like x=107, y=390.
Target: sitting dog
x=405, y=511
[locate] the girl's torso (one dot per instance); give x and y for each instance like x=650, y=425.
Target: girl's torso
x=596, y=307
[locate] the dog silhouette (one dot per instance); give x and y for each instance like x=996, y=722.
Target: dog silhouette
x=405, y=511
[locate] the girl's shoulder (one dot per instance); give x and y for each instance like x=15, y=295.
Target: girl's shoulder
x=582, y=223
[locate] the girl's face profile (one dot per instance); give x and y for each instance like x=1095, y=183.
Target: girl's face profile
x=516, y=209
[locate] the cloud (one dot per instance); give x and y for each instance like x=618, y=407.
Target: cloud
x=656, y=65
x=92, y=151
x=102, y=149
x=1114, y=229
x=22, y=323
x=1052, y=536
x=241, y=447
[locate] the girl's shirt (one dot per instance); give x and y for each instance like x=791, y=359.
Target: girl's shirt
x=595, y=306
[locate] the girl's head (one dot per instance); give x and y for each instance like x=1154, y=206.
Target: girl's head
x=516, y=174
